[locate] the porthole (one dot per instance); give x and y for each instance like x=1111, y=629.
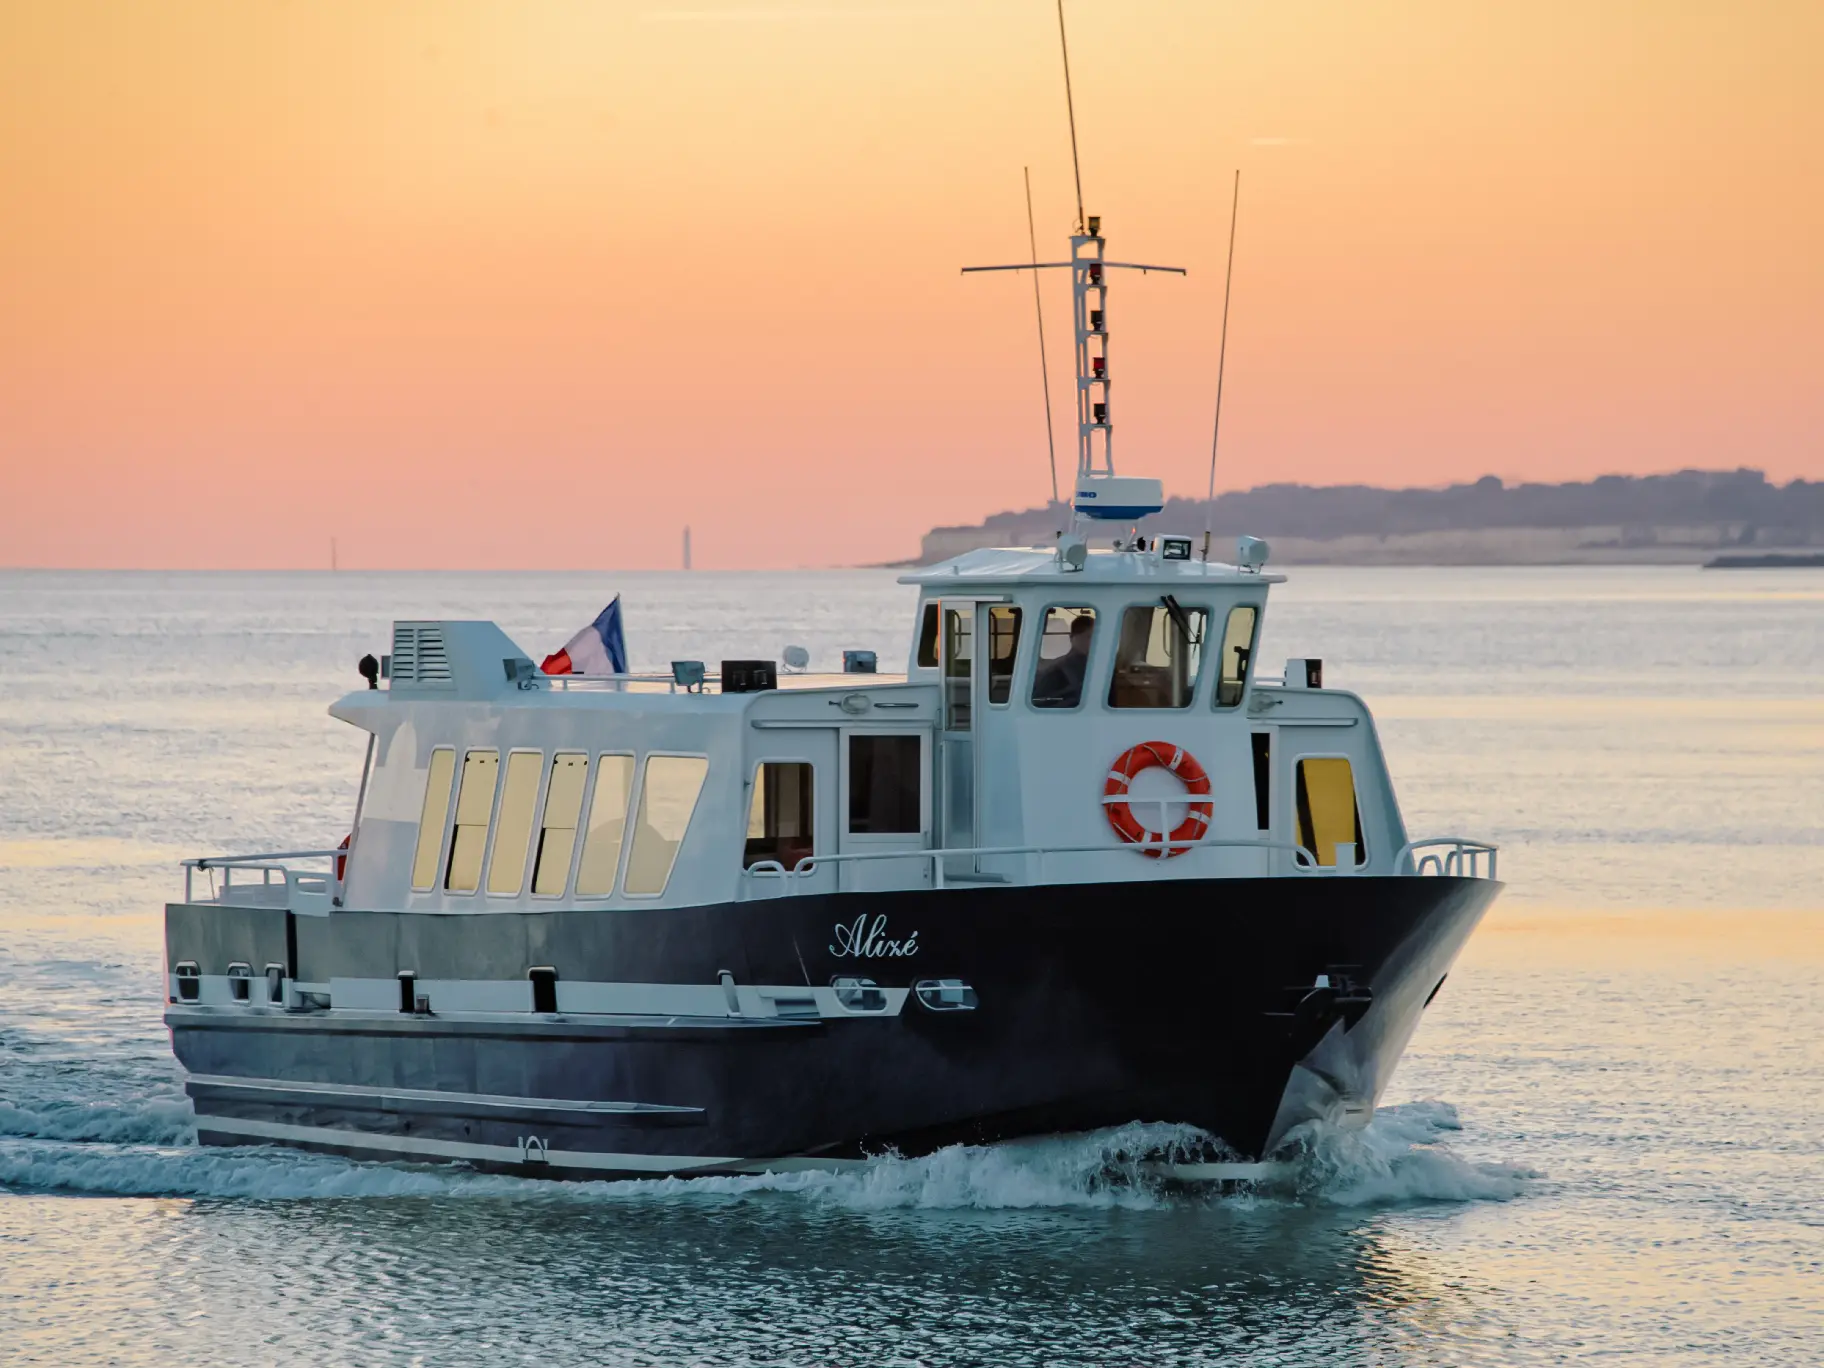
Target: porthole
x=945, y=995
x=859, y=994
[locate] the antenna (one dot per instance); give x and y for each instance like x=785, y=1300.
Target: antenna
x=1222, y=356
x=1032, y=238
x=1070, y=106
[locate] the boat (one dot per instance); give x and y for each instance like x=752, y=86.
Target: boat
x=1081, y=863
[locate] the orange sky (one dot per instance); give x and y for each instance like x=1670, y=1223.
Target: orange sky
x=534, y=283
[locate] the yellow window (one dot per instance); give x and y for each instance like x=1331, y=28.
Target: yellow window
x=474, y=806
x=668, y=797
x=430, y=821
x=513, y=832
x=563, y=807
x=607, y=826
x=1327, y=814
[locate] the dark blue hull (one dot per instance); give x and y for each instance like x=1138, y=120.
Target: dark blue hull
x=1193, y=1001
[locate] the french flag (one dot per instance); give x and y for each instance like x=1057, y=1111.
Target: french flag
x=599, y=649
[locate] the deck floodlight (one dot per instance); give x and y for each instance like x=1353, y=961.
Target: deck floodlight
x=795, y=657
x=1251, y=553
x=370, y=671
x=687, y=675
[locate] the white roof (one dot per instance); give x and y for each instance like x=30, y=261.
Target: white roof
x=1035, y=564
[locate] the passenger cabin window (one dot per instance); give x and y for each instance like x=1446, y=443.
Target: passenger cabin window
x=1157, y=656
x=959, y=629
x=1327, y=811
x=607, y=826
x=668, y=797
x=927, y=639
x=513, y=829
x=1237, y=651
x=885, y=779
x=474, y=806
x=1003, y=651
x=557, y=837
x=781, y=821
x=1057, y=681
x=431, y=820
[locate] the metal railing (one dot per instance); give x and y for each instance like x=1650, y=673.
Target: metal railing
x=297, y=882
x=563, y=683
x=1303, y=861
x=1451, y=857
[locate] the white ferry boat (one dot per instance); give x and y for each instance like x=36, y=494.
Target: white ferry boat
x=1081, y=864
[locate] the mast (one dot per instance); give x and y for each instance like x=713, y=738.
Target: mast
x=1097, y=493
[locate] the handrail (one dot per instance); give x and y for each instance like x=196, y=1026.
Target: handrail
x=1447, y=856
x=564, y=681
x=266, y=864
x=217, y=861
x=1303, y=860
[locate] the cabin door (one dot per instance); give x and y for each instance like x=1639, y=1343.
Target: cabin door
x=885, y=806
x=956, y=745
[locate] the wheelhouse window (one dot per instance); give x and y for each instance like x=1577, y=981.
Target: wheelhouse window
x=557, y=835
x=886, y=776
x=668, y=797
x=474, y=806
x=1157, y=656
x=607, y=826
x=1057, y=681
x=781, y=820
x=431, y=820
x=513, y=828
x=1003, y=651
x=1237, y=652
x=1327, y=811
x=927, y=638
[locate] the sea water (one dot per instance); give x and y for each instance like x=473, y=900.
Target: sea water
x=1606, y=1140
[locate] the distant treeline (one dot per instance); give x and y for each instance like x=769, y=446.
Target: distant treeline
x=1741, y=500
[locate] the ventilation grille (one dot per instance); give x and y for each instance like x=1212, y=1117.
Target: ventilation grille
x=419, y=655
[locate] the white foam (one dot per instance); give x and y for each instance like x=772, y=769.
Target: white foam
x=1398, y=1158
x=1100, y=1169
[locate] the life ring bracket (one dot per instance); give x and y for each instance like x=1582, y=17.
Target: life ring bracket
x=1137, y=760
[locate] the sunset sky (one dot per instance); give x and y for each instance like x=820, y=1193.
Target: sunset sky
x=535, y=284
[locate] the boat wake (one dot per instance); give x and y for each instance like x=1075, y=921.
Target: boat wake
x=147, y=1149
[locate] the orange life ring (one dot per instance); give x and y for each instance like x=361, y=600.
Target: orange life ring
x=1180, y=762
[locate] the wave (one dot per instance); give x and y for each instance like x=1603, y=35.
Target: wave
x=1399, y=1158
x=144, y=1121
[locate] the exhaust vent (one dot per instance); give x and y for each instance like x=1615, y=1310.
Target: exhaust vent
x=419, y=654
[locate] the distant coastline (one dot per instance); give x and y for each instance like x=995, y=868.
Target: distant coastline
x=1691, y=517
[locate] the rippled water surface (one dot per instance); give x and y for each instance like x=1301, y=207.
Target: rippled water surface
x=1606, y=1141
